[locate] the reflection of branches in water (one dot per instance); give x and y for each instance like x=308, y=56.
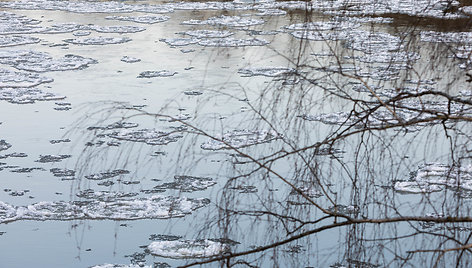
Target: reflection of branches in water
x=316, y=155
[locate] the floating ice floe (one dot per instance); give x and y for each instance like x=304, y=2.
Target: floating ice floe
x=27, y=95
x=208, y=33
x=116, y=125
x=148, y=136
x=240, y=139
x=373, y=42
x=85, y=6
x=99, y=40
x=28, y=60
x=332, y=25
x=179, y=41
x=187, y=184
x=17, y=40
x=104, y=195
x=232, y=42
x=436, y=177
x=15, y=154
x=59, y=141
x=18, y=80
x=63, y=28
x=266, y=71
x=151, y=74
x=52, y=158
x=63, y=173
x=128, y=59
x=140, y=19
x=117, y=29
x=320, y=36
x=4, y=145
x=229, y=21
x=107, y=265
x=81, y=33
x=11, y=23
x=182, y=249
x=107, y=175
x=154, y=207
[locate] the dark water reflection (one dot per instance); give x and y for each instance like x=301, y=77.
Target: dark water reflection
x=291, y=134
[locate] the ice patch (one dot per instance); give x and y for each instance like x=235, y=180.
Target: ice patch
x=107, y=265
x=446, y=37
x=229, y=21
x=151, y=74
x=82, y=33
x=116, y=125
x=266, y=71
x=107, y=175
x=240, y=139
x=271, y=12
x=11, y=79
x=52, y=158
x=27, y=95
x=435, y=177
x=128, y=59
x=182, y=249
x=208, y=34
x=232, y=42
x=117, y=29
x=106, y=196
x=63, y=173
x=28, y=60
x=332, y=25
x=148, y=136
x=187, y=184
x=99, y=40
x=140, y=19
x=4, y=145
x=155, y=207
x=17, y=40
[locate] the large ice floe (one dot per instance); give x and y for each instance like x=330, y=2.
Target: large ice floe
x=187, y=184
x=12, y=79
x=16, y=40
x=154, y=207
x=98, y=40
x=149, y=19
x=239, y=139
x=27, y=95
x=152, y=74
x=182, y=249
x=266, y=71
x=148, y=136
x=34, y=61
x=436, y=177
x=232, y=42
x=229, y=21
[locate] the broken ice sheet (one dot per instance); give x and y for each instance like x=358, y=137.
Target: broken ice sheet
x=149, y=19
x=239, y=139
x=67, y=174
x=151, y=74
x=154, y=207
x=208, y=33
x=182, y=249
x=35, y=61
x=27, y=95
x=187, y=184
x=128, y=59
x=232, y=42
x=99, y=40
x=116, y=125
x=107, y=175
x=117, y=29
x=148, y=136
x=4, y=145
x=332, y=25
x=435, y=177
x=229, y=21
x=107, y=265
x=12, y=79
x=266, y=71
x=52, y=158
x=104, y=195
x=16, y=40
